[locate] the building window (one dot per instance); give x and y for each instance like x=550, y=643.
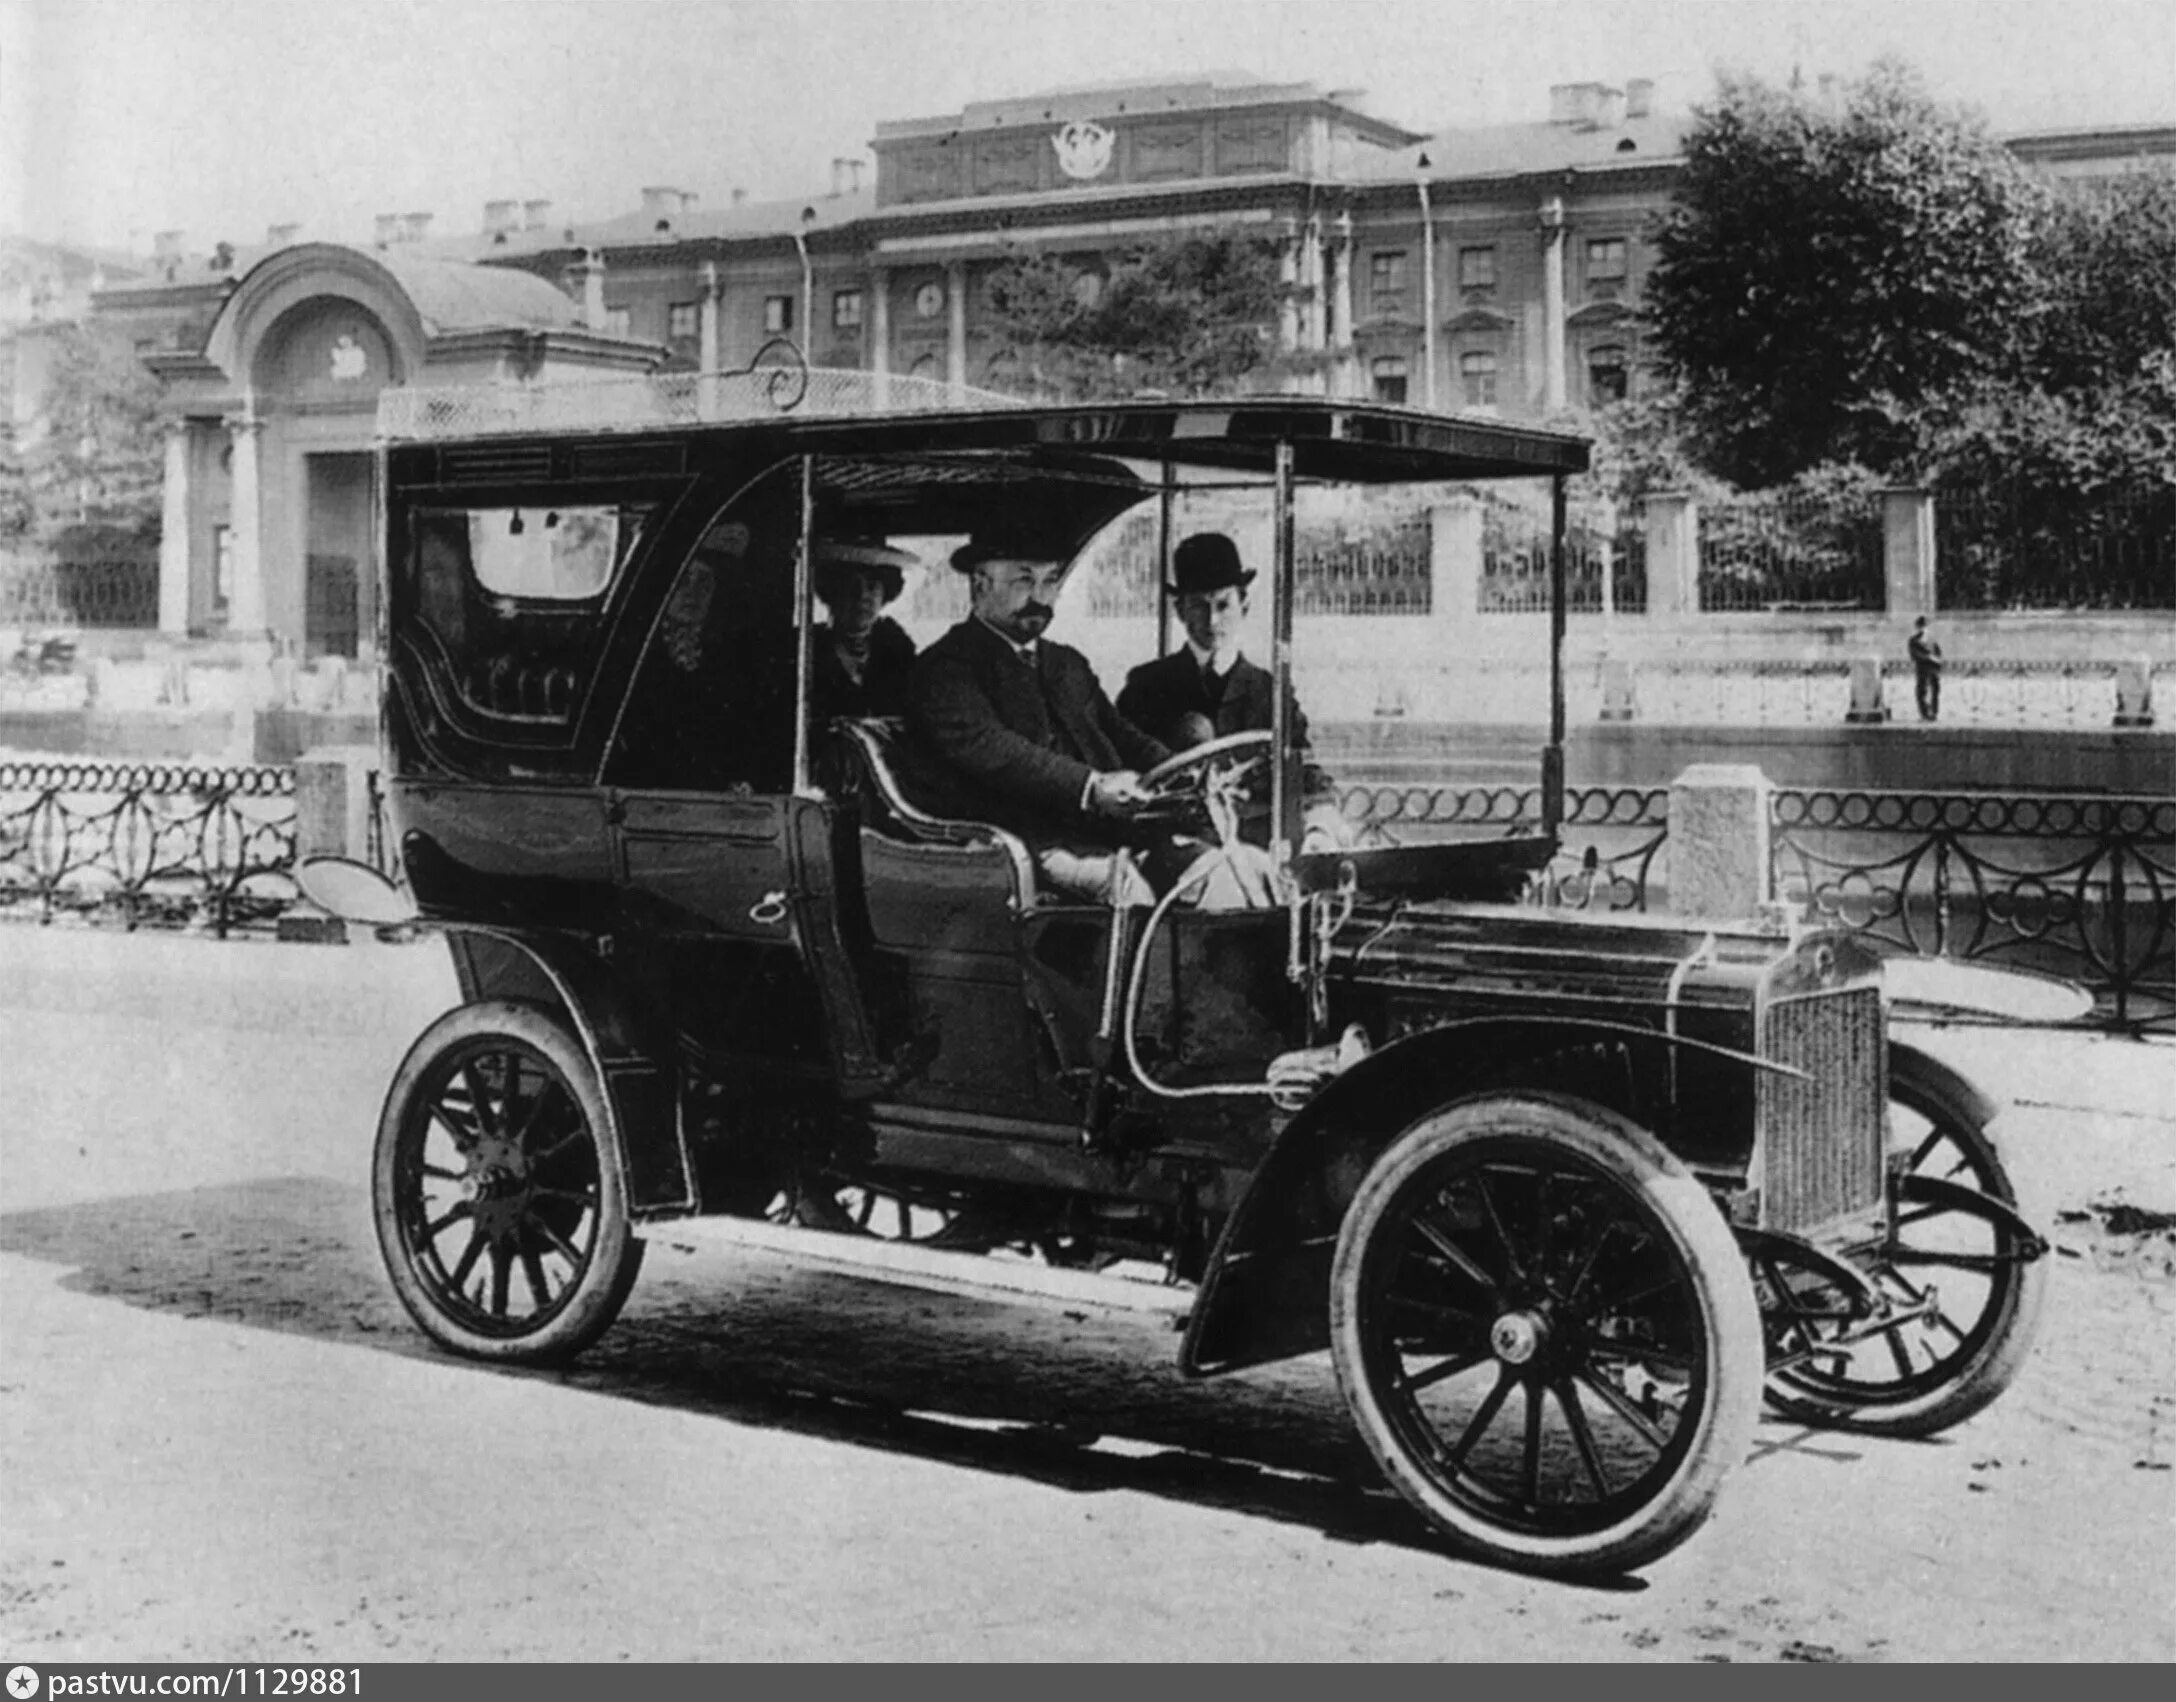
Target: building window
x=1606, y=260
x=1609, y=378
x=1389, y=375
x=620, y=321
x=222, y=567
x=777, y=314
x=846, y=310
x=1386, y=275
x=1477, y=268
x=684, y=322
x=1477, y=378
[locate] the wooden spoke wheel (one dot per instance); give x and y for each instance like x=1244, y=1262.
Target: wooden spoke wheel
x=1545, y=1333
x=498, y=1191
x=1962, y=1281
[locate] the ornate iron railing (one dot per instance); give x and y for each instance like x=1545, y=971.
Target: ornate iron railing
x=2079, y=886
x=147, y=845
x=1611, y=834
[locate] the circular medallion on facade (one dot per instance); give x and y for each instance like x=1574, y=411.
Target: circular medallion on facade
x=1084, y=148
x=929, y=300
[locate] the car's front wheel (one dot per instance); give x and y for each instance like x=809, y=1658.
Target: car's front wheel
x=1545, y=1333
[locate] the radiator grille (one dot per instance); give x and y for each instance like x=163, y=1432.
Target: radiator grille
x=1821, y=1138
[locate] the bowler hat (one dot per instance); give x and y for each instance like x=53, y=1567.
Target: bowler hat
x=835, y=556
x=1208, y=561
x=1012, y=536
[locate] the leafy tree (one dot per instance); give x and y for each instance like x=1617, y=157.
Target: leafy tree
x=1830, y=268
x=2105, y=261
x=95, y=454
x=1190, y=315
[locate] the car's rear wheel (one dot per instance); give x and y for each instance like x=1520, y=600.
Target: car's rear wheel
x=500, y=1200
x=1545, y=1333
x=1963, y=1281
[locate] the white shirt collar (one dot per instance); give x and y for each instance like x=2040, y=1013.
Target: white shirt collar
x=1219, y=661
x=1026, y=652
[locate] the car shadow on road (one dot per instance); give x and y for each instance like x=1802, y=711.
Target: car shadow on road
x=1081, y=1398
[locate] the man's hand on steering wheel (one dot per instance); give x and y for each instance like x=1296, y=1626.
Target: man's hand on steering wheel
x=1119, y=794
x=1210, y=779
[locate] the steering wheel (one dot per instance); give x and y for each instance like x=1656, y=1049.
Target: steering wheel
x=1212, y=776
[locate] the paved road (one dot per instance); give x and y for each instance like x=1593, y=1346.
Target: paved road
x=219, y=1437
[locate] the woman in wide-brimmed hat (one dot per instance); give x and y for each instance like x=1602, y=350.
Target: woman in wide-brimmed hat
x=862, y=654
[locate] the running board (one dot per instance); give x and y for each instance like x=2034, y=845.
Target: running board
x=910, y=1266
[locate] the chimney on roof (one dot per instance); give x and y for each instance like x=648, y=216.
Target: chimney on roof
x=279, y=236
x=845, y=174
x=414, y=227
x=663, y=204
x=166, y=244
x=386, y=229
x=1639, y=97
x=1585, y=106
x=739, y=195
x=501, y=217
x=535, y=215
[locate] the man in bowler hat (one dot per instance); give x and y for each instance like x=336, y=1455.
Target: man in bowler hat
x=1208, y=688
x=1023, y=729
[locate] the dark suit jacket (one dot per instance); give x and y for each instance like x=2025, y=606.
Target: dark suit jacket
x=882, y=688
x=1015, y=744
x=1159, y=694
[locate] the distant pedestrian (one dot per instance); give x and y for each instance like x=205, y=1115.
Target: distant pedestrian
x=1926, y=670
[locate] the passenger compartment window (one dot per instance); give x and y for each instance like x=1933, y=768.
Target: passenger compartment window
x=504, y=605
x=560, y=554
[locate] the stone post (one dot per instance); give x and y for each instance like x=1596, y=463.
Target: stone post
x=1866, y=704
x=1907, y=551
x=1719, y=842
x=1673, y=555
x=1620, y=700
x=2134, y=692
x=332, y=802
x=1454, y=564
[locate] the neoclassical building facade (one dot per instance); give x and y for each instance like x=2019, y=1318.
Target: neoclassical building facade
x=1487, y=268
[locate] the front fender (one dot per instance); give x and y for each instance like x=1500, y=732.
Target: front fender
x=563, y=974
x=1265, y=1292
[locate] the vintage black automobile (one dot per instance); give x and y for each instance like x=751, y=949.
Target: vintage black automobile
x=1564, y=1195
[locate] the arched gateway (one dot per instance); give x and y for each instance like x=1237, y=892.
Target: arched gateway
x=268, y=497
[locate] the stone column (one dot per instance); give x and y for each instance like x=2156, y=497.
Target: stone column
x=1341, y=308
x=1719, y=842
x=246, y=608
x=1312, y=285
x=1907, y=551
x=880, y=335
x=175, y=502
x=1288, y=278
x=1552, y=304
x=1673, y=555
x=706, y=358
x=955, y=330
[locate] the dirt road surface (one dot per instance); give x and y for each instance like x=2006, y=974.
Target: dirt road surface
x=221, y=1439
